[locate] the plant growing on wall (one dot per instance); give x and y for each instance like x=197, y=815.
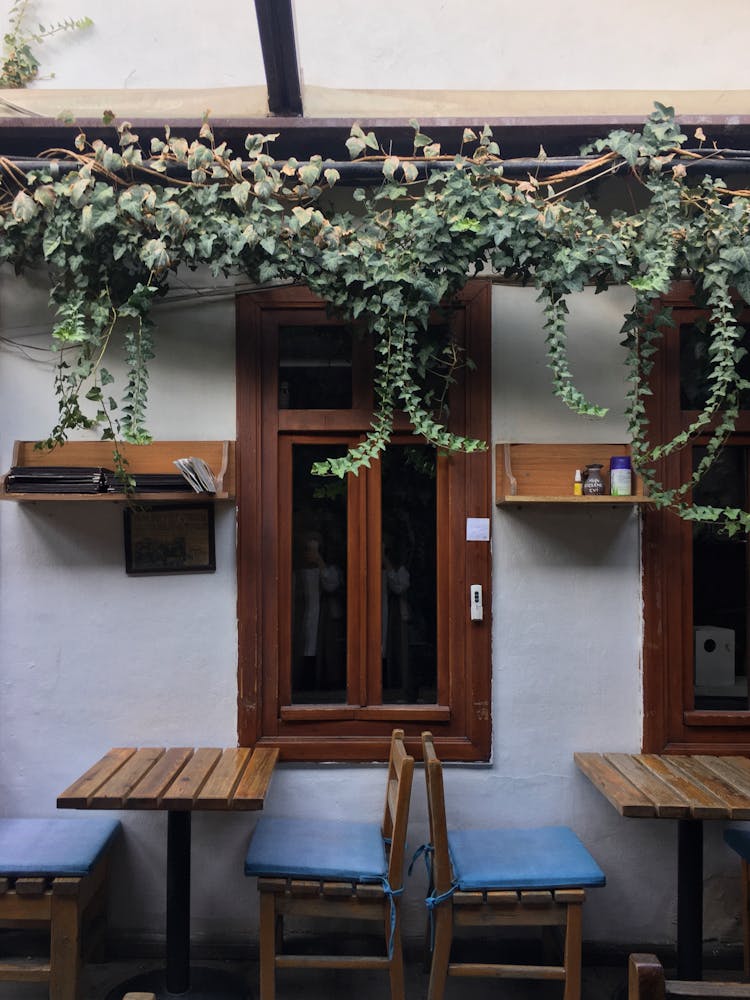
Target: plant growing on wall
x=115, y=228
x=19, y=64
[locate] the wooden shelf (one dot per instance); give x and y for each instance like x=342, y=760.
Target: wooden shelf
x=155, y=457
x=543, y=473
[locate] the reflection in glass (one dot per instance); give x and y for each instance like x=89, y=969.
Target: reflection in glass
x=408, y=574
x=315, y=368
x=720, y=588
x=318, y=604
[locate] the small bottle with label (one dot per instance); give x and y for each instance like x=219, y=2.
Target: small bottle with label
x=577, y=484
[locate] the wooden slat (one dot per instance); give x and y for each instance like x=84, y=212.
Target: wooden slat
x=219, y=788
x=79, y=794
x=565, y=896
x=468, y=898
x=668, y=802
x=366, y=891
x=15, y=909
x=331, y=962
x=734, y=770
x=536, y=897
x=487, y=970
x=711, y=991
x=338, y=888
x=703, y=804
x=24, y=970
x=253, y=785
x=502, y=897
x=304, y=887
x=624, y=796
x=737, y=804
x=275, y=885
x=31, y=886
x=184, y=790
x=113, y=794
x=67, y=885
x=148, y=793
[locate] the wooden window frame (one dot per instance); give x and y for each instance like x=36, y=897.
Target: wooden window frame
x=461, y=725
x=671, y=724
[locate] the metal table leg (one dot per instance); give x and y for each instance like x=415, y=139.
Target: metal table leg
x=178, y=979
x=690, y=899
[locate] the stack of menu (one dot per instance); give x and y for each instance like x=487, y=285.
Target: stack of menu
x=56, y=479
x=147, y=482
x=197, y=473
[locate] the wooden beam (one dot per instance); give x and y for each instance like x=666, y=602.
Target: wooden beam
x=276, y=27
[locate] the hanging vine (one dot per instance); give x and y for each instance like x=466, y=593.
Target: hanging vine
x=115, y=228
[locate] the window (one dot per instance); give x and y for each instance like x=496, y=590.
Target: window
x=353, y=595
x=696, y=648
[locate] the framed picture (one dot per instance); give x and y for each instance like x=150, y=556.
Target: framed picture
x=170, y=539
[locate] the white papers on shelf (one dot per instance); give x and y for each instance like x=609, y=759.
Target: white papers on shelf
x=197, y=474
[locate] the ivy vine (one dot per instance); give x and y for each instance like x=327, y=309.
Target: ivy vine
x=19, y=65
x=119, y=223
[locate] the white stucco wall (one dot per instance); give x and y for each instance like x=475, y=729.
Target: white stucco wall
x=92, y=658
x=590, y=46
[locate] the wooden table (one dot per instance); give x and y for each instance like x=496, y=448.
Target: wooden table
x=179, y=780
x=689, y=789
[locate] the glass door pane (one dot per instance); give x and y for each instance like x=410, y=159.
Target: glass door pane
x=319, y=569
x=409, y=574
x=315, y=368
x=720, y=589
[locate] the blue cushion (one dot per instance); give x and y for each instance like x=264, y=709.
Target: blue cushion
x=739, y=841
x=303, y=848
x=50, y=847
x=549, y=857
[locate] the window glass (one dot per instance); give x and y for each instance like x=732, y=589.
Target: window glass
x=720, y=588
x=318, y=599
x=695, y=368
x=315, y=368
x=409, y=575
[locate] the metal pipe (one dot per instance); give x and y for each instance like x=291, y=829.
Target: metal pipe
x=364, y=171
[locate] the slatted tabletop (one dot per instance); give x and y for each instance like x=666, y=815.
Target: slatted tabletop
x=689, y=789
x=176, y=779
x=671, y=787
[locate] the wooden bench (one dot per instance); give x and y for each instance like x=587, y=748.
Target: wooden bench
x=647, y=981
x=53, y=876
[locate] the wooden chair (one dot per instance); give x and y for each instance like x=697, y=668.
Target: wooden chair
x=337, y=869
x=501, y=878
x=739, y=840
x=53, y=875
x=646, y=981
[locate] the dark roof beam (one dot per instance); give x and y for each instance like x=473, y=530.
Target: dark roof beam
x=276, y=27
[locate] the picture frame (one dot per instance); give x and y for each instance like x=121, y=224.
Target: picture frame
x=169, y=538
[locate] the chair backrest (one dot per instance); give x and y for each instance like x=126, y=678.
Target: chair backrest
x=442, y=873
x=397, y=799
